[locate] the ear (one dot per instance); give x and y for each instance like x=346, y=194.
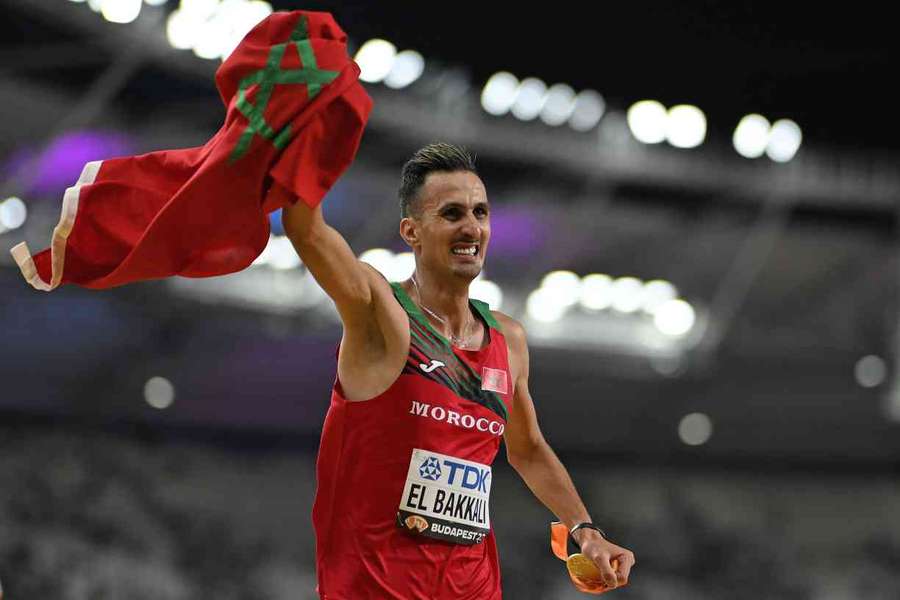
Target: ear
x=409, y=231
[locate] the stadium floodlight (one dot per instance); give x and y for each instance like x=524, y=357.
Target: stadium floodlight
x=159, y=392
x=12, y=213
x=408, y=67
x=870, y=371
x=656, y=293
x=563, y=286
x=401, y=267
x=211, y=39
x=784, y=140
x=181, y=30
x=751, y=136
x=487, y=291
x=627, y=294
x=596, y=291
x=558, y=105
x=529, y=99
x=685, y=126
x=543, y=305
x=380, y=258
x=675, y=317
x=695, y=429
x=120, y=11
x=375, y=59
x=499, y=93
x=647, y=121
x=589, y=109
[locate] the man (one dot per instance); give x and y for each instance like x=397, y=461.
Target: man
x=427, y=383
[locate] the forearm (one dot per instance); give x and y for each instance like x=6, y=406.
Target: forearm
x=328, y=256
x=302, y=222
x=548, y=479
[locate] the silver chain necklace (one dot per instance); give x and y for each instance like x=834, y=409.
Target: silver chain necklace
x=455, y=340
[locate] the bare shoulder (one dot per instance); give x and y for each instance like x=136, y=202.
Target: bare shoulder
x=514, y=332
x=378, y=284
x=516, y=345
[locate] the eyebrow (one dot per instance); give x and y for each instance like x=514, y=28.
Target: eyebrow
x=443, y=207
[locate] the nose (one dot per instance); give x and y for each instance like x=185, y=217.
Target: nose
x=471, y=226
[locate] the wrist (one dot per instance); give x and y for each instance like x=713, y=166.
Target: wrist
x=584, y=531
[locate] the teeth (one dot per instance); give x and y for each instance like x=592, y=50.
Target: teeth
x=470, y=250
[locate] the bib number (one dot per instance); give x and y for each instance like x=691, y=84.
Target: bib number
x=446, y=498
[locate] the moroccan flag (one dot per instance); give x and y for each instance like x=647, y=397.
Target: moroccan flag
x=295, y=115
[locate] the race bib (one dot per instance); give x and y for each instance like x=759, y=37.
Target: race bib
x=446, y=498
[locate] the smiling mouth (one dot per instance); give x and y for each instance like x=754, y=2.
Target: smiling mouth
x=466, y=250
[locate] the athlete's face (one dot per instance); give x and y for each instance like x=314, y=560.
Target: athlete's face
x=452, y=228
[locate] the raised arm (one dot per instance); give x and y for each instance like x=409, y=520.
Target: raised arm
x=332, y=262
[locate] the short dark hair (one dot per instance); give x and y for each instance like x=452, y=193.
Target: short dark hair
x=431, y=158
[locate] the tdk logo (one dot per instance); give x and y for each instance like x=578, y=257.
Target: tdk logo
x=470, y=478
x=430, y=469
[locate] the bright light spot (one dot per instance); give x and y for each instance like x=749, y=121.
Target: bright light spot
x=120, y=11
x=542, y=305
x=375, y=60
x=499, y=93
x=211, y=38
x=199, y=10
x=257, y=10
x=596, y=291
x=870, y=371
x=529, y=99
x=159, y=392
x=784, y=140
x=77, y=1
x=751, y=136
x=155, y=2
x=627, y=294
x=589, y=109
x=563, y=286
x=647, y=120
x=487, y=291
x=282, y=255
x=381, y=259
x=12, y=213
x=686, y=126
x=181, y=30
x=675, y=317
x=95, y=5
x=239, y=17
x=656, y=293
x=695, y=429
x=558, y=105
x=408, y=66
x=402, y=266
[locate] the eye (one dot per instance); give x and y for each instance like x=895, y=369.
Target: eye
x=481, y=211
x=451, y=213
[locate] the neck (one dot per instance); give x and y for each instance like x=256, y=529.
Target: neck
x=448, y=298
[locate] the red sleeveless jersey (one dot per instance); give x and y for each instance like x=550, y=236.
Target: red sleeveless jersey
x=401, y=509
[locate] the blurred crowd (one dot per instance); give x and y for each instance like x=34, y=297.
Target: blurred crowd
x=89, y=514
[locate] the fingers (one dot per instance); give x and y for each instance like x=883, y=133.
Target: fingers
x=607, y=570
x=626, y=561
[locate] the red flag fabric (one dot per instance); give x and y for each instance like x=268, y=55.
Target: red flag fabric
x=295, y=116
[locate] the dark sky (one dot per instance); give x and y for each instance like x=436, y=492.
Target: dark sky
x=831, y=69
